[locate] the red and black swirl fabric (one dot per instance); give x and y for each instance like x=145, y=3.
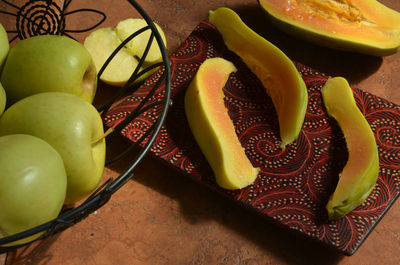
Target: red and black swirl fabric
x=294, y=185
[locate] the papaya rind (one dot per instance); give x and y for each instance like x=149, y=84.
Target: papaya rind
x=282, y=81
x=328, y=40
x=360, y=174
x=222, y=149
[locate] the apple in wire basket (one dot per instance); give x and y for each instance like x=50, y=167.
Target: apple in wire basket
x=47, y=63
x=70, y=125
x=33, y=183
x=4, y=48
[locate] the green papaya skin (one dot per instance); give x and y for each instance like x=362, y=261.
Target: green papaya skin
x=359, y=175
x=212, y=127
x=278, y=74
x=362, y=26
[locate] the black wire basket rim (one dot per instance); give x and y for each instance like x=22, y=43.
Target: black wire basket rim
x=103, y=193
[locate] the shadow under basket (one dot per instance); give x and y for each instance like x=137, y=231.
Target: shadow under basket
x=23, y=19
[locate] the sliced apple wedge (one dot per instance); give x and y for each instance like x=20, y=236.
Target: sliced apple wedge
x=137, y=45
x=101, y=44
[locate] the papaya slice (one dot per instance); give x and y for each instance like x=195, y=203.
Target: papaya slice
x=360, y=173
x=212, y=127
x=364, y=26
x=277, y=73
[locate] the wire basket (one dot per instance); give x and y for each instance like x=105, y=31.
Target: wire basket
x=40, y=17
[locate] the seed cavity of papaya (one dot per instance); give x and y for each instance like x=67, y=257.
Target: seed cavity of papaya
x=337, y=10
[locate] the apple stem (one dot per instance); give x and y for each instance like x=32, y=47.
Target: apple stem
x=109, y=131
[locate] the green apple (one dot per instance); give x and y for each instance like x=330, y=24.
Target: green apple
x=48, y=63
x=137, y=45
x=72, y=126
x=100, y=44
x=2, y=99
x=33, y=184
x=4, y=46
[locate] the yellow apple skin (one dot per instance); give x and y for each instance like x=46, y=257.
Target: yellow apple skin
x=4, y=46
x=48, y=63
x=33, y=183
x=4, y=49
x=2, y=99
x=72, y=126
x=101, y=43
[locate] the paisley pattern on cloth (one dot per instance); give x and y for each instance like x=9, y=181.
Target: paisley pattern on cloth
x=294, y=185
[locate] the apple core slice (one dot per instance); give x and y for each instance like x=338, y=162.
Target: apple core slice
x=212, y=127
x=360, y=173
x=101, y=44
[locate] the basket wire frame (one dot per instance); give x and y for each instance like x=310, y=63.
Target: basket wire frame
x=101, y=196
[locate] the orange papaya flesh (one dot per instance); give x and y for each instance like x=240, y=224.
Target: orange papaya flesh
x=364, y=26
x=360, y=173
x=212, y=127
x=277, y=73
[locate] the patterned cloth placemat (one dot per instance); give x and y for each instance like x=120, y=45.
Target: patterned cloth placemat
x=293, y=185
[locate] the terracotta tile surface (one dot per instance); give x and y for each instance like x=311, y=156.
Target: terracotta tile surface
x=160, y=217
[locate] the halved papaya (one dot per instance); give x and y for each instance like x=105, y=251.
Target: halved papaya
x=212, y=127
x=360, y=173
x=275, y=70
x=364, y=26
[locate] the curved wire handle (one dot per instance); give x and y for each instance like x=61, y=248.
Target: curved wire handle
x=39, y=17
